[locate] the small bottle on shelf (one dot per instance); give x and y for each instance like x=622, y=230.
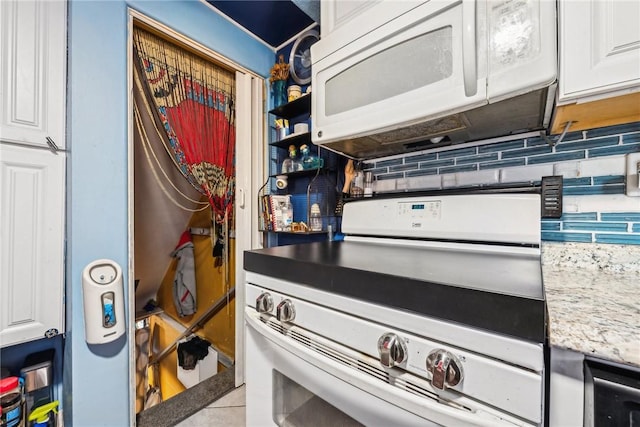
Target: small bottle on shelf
x=291, y=163
x=309, y=161
x=315, y=219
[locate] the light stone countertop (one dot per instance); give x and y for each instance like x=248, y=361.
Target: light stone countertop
x=593, y=299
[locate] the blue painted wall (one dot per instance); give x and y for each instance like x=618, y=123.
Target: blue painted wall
x=96, y=383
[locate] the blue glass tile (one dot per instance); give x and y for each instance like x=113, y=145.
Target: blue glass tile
x=594, y=189
x=457, y=153
x=422, y=172
x=595, y=226
x=390, y=176
x=573, y=182
x=453, y=169
x=620, y=216
x=436, y=163
x=501, y=146
x=582, y=216
x=536, y=142
x=421, y=157
x=552, y=158
x=403, y=167
x=590, y=143
x=525, y=152
x=502, y=163
x=621, y=239
x=632, y=138
x=612, y=130
x=550, y=226
x=609, y=179
x=612, y=151
x=636, y=228
x=378, y=171
x=476, y=159
x=392, y=162
x=556, y=236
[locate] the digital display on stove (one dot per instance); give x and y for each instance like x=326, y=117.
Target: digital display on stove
x=420, y=210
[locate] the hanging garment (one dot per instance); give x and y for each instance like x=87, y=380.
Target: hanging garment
x=184, y=282
x=191, y=351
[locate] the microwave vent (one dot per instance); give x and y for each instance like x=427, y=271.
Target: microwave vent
x=422, y=131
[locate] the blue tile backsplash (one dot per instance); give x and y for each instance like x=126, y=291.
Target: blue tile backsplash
x=609, y=223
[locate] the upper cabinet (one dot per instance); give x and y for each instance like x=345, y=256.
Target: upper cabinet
x=32, y=72
x=599, y=63
x=32, y=179
x=345, y=21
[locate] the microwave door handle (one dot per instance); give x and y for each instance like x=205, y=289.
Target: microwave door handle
x=469, y=66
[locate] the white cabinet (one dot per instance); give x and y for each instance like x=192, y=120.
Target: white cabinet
x=32, y=179
x=344, y=21
x=32, y=244
x=32, y=71
x=599, y=48
x=599, y=64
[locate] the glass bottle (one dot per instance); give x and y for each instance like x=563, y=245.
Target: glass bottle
x=357, y=185
x=315, y=219
x=309, y=161
x=291, y=163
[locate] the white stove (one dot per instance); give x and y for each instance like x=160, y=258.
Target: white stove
x=431, y=312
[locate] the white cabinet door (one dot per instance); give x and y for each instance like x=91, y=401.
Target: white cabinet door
x=344, y=21
x=32, y=71
x=600, y=47
x=32, y=243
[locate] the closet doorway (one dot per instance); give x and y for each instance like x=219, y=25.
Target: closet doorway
x=189, y=221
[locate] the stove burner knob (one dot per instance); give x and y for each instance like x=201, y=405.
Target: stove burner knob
x=392, y=349
x=445, y=368
x=285, y=311
x=264, y=303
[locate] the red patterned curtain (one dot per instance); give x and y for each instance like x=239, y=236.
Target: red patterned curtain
x=194, y=99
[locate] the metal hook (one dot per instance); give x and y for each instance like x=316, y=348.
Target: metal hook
x=553, y=143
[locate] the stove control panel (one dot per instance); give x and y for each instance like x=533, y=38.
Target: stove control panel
x=392, y=349
x=445, y=368
x=264, y=303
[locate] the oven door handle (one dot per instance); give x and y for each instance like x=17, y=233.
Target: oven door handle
x=428, y=409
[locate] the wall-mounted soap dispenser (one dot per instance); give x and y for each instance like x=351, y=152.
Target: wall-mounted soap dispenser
x=103, y=297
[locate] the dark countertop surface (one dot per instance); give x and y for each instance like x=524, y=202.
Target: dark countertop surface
x=500, y=292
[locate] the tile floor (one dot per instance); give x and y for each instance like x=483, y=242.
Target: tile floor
x=227, y=411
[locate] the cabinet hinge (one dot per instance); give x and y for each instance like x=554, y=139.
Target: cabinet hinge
x=51, y=333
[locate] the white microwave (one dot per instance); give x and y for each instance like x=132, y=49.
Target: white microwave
x=441, y=72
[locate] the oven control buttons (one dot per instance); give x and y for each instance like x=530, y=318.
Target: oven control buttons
x=392, y=349
x=285, y=311
x=445, y=368
x=264, y=303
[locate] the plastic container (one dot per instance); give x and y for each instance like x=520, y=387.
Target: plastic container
x=315, y=218
x=44, y=416
x=9, y=385
x=293, y=92
x=12, y=403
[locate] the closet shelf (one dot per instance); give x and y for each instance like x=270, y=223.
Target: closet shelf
x=304, y=172
x=295, y=108
x=297, y=140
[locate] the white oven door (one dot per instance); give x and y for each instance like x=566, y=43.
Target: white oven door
x=427, y=63
x=303, y=380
